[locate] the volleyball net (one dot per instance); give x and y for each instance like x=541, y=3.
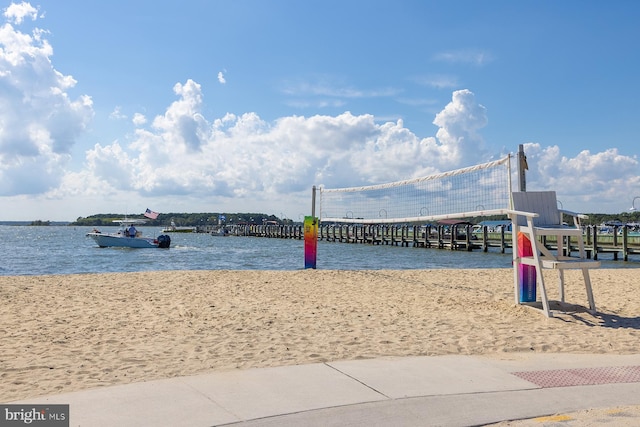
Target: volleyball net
x=479, y=190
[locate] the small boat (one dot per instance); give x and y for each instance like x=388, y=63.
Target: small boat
x=128, y=237
x=220, y=232
x=173, y=228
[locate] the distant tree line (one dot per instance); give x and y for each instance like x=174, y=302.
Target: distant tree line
x=594, y=219
x=184, y=219
x=623, y=217
x=210, y=219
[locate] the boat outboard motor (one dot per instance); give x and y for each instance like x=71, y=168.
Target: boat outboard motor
x=164, y=241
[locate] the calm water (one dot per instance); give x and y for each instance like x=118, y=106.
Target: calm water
x=66, y=250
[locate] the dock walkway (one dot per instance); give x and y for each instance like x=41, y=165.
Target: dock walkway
x=457, y=237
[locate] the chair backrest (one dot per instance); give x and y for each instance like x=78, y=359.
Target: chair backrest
x=544, y=203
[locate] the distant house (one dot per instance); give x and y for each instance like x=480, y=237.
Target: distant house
x=454, y=222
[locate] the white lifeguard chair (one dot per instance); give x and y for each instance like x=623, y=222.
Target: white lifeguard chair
x=536, y=214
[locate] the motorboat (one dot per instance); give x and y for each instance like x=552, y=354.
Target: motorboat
x=220, y=232
x=128, y=237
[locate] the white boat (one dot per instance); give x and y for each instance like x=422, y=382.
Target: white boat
x=220, y=232
x=173, y=228
x=124, y=238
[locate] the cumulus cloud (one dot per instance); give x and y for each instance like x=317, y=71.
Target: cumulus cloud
x=244, y=156
x=584, y=180
x=238, y=158
x=40, y=122
x=221, y=79
x=16, y=13
x=139, y=119
x=241, y=161
x=459, y=125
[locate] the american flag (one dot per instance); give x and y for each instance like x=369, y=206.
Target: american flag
x=151, y=214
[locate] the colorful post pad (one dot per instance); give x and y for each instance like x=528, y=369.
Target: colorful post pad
x=310, y=241
x=526, y=273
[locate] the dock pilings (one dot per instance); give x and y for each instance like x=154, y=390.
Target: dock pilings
x=450, y=237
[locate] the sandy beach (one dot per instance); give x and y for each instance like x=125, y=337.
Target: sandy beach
x=64, y=333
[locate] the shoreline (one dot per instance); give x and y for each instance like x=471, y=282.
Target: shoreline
x=72, y=332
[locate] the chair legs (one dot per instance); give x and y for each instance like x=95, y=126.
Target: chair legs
x=587, y=282
x=543, y=292
x=561, y=285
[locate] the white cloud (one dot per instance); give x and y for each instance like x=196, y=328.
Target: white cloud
x=605, y=178
x=459, y=125
x=40, y=122
x=182, y=125
x=117, y=114
x=16, y=13
x=221, y=78
x=244, y=156
x=242, y=162
x=139, y=119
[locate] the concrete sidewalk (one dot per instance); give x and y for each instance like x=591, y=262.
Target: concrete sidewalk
x=411, y=391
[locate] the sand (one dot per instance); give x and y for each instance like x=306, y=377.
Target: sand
x=64, y=333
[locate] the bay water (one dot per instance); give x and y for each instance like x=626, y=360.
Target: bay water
x=38, y=250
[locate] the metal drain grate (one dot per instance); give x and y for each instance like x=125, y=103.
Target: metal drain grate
x=584, y=376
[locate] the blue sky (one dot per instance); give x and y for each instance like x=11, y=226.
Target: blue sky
x=210, y=106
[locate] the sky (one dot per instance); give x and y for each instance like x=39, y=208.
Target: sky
x=244, y=105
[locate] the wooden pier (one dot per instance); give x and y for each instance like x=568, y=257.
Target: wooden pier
x=456, y=237
x=617, y=243
x=269, y=231
x=439, y=236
